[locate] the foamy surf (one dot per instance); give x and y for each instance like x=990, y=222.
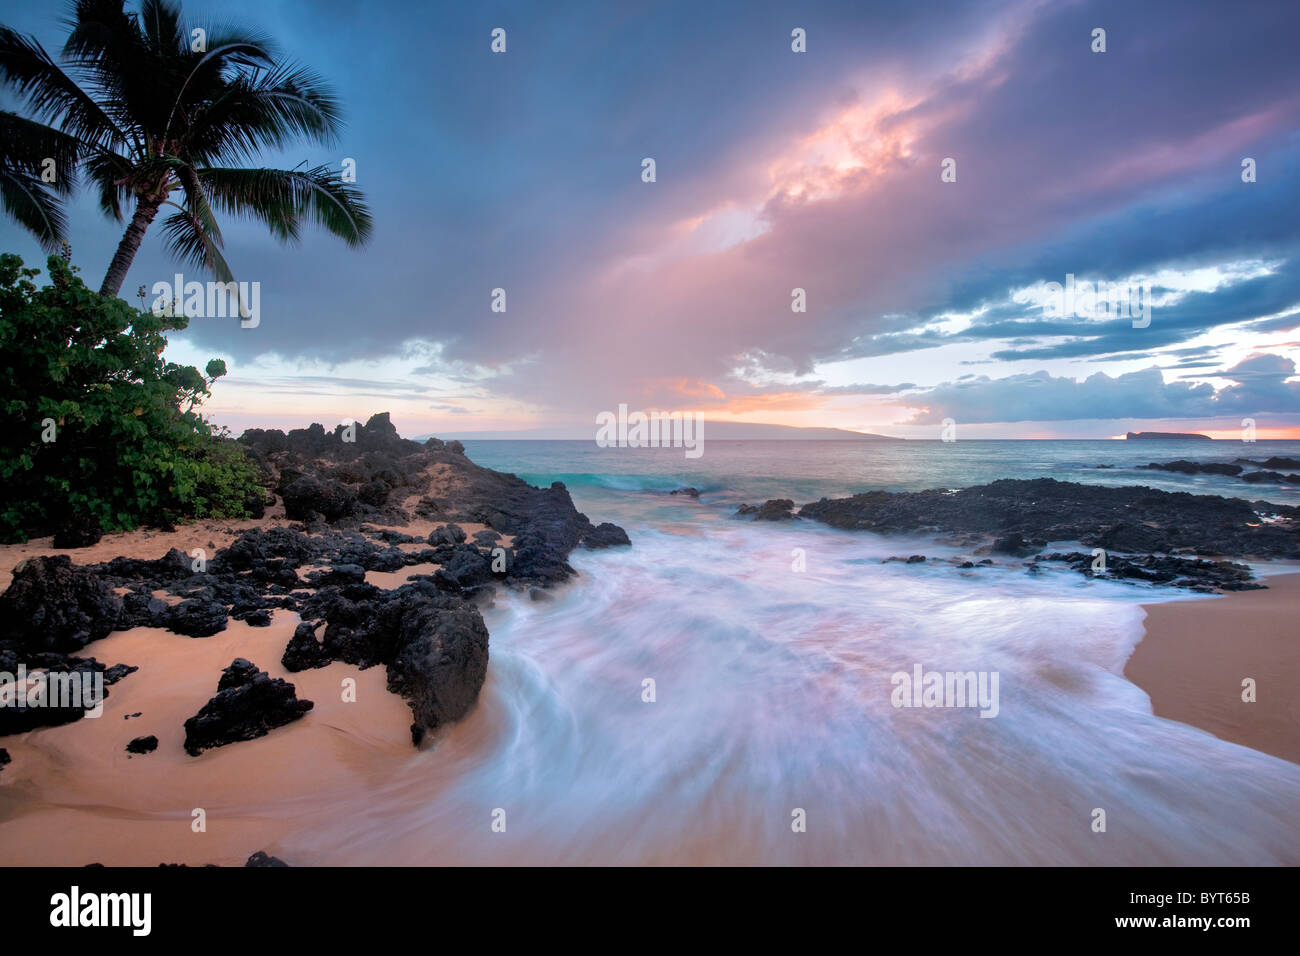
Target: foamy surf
x=772, y=701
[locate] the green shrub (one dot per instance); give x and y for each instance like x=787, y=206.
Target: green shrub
x=128, y=448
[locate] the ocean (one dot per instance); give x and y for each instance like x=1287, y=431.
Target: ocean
x=724, y=692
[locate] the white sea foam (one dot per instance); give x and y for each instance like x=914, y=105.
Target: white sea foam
x=773, y=693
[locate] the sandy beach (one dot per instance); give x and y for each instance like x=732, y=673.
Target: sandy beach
x=1196, y=654
x=73, y=795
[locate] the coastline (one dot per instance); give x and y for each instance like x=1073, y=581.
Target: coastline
x=73, y=795
x=1194, y=655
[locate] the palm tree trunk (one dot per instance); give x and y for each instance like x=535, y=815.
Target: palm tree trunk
x=145, y=211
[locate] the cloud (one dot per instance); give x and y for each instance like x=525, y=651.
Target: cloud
x=1259, y=387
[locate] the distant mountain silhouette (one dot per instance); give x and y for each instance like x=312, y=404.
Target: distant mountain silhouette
x=1144, y=435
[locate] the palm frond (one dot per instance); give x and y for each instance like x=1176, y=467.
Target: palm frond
x=269, y=110
x=34, y=206
x=195, y=241
x=283, y=198
x=51, y=95
x=27, y=147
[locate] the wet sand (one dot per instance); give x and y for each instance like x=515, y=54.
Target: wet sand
x=73, y=795
x=1196, y=654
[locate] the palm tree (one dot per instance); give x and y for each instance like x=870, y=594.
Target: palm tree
x=163, y=115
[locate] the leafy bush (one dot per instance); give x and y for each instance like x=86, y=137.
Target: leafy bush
x=95, y=427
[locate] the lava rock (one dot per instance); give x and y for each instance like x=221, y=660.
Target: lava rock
x=446, y=536
x=240, y=672
x=1013, y=544
x=54, y=605
x=1044, y=509
x=248, y=704
x=1161, y=569
x=142, y=745
x=115, y=673
x=605, y=535
x=1195, y=468
x=775, y=509
x=465, y=568
x=304, y=651
x=308, y=495
x=261, y=858
x=197, y=618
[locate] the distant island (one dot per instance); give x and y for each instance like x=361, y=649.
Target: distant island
x=1144, y=435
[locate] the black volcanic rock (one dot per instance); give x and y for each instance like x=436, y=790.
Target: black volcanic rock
x=1044, y=509
x=68, y=687
x=1195, y=468
x=304, y=651
x=54, y=605
x=433, y=643
x=1013, y=544
x=115, y=673
x=1273, y=462
x=446, y=536
x=441, y=662
x=774, y=509
x=465, y=568
x=197, y=618
x=1170, y=570
x=1258, y=476
x=306, y=496
x=263, y=859
x=240, y=672
x=605, y=535
x=142, y=745
x=249, y=704
x=688, y=492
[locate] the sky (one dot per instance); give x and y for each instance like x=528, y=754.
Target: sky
x=774, y=170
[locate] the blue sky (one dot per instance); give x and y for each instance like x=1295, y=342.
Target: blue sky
x=775, y=170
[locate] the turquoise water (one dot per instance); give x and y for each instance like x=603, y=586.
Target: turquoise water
x=730, y=472
x=773, y=649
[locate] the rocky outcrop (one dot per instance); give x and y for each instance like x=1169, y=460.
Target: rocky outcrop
x=605, y=535
x=1194, y=574
x=339, y=485
x=1044, y=509
x=248, y=704
x=1195, y=468
x=1232, y=470
x=775, y=509
x=54, y=605
x=1163, y=533
x=1275, y=461
x=434, y=645
x=58, y=688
